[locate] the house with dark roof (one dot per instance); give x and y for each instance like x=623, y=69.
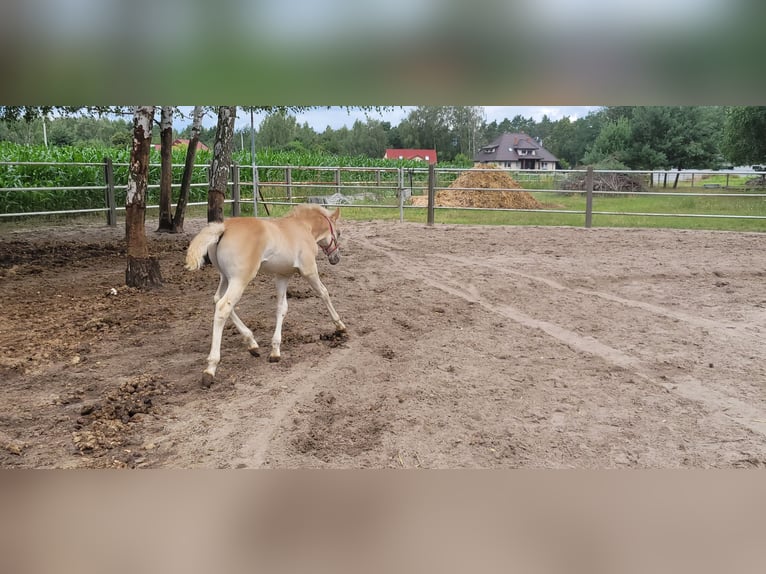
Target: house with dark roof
x=427, y=155
x=516, y=151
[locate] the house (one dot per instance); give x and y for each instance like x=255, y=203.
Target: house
x=184, y=143
x=428, y=155
x=516, y=151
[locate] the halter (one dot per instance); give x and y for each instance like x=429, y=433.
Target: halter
x=331, y=247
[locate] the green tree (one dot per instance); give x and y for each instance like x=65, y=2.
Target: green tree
x=276, y=131
x=666, y=137
x=744, y=139
x=679, y=137
x=467, y=126
x=367, y=138
x=427, y=127
x=612, y=144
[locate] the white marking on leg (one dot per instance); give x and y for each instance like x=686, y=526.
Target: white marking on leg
x=318, y=286
x=276, y=340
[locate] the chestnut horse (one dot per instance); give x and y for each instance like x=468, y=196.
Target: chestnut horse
x=242, y=246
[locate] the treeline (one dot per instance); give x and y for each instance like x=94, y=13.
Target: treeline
x=613, y=137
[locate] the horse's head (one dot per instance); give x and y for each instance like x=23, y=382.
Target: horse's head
x=329, y=239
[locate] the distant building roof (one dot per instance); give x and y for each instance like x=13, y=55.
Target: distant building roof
x=506, y=147
x=428, y=155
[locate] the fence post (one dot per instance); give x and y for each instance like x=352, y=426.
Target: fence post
x=289, y=181
x=400, y=193
x=111, y=215
x=589, y=197
x=337, y=180
x=235, y=206
x=431, y=194
x=255, y=189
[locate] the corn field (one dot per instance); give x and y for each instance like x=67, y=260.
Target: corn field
x=50, y=172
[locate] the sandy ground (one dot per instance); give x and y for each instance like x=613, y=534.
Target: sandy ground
x=484, y=347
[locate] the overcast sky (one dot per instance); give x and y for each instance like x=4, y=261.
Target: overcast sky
x=338, y=117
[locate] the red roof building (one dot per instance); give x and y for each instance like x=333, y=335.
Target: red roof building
x=427, y=155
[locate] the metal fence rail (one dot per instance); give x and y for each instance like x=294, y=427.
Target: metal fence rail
x=262, y=187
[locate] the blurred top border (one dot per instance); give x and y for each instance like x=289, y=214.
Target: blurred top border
x=335, y=52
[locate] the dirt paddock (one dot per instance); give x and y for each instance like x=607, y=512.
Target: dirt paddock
x=485, y=347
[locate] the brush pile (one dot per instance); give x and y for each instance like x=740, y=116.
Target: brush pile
x=610, y=181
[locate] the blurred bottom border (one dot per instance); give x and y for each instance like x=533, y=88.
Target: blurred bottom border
x=382, y=521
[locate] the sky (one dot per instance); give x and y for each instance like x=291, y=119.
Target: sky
x=337, y=117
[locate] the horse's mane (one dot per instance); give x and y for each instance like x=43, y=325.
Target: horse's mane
x=306, y=208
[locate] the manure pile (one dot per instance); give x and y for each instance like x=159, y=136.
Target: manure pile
x=473, y=189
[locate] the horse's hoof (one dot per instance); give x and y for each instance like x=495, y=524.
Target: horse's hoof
x=207, y=380
x=274, y=358
x=255, y=351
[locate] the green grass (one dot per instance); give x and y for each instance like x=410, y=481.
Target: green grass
x=574, y=202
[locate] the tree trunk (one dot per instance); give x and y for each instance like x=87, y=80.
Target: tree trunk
x=142, y=270
x=675, y=183
x=166, y=168
x=191, y=155
x=219, y=169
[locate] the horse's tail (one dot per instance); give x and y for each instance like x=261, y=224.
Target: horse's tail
x=195, y=254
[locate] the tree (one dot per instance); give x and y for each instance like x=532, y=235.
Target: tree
x=142, y=270
x=561, y=142
x=467, y=125
x=680, y=137
x=744, y=140
x=427, y=127
x=367, y=138
x=277, y=130
x=612, y=144
x=191, y=154
x=166, y=168
x=221, y=164
x=667, y=137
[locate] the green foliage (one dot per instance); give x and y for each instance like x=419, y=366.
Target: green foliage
x=611, y=146
x=744, y=139
x=659, y=137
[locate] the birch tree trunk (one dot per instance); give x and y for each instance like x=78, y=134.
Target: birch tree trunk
x=142, y=270
x=219, y=169
x=166, y=168
x=191, y=155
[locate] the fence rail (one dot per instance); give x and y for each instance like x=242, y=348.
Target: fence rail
x=37, y=189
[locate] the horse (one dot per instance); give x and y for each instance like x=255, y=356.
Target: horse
x=240, y=247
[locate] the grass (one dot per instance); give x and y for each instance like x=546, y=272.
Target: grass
x=751, y=206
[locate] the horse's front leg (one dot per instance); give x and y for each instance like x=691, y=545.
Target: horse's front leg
x=276, y=340
x=318, y=286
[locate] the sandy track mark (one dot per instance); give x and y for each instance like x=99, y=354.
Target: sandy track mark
x=747, y=415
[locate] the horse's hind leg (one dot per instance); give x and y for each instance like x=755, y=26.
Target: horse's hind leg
x=223, y=310
x=276, y=340
x=313, y=279
x=252, y=345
